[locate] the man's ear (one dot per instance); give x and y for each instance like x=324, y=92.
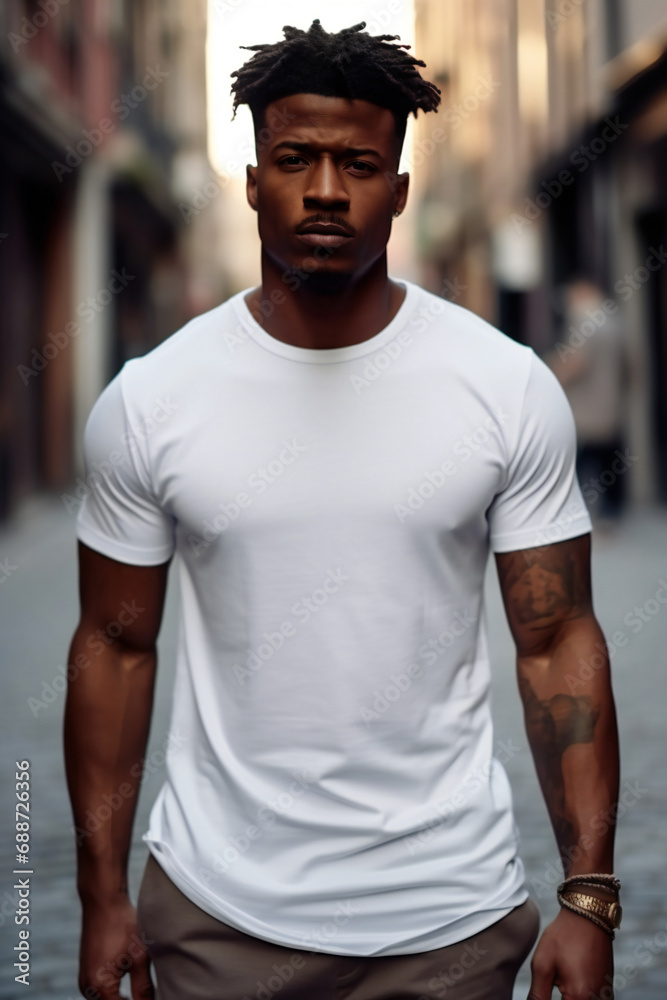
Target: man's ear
x=251, y=186
x=400, y=185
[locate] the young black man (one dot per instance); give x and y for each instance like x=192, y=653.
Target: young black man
x=332, y=456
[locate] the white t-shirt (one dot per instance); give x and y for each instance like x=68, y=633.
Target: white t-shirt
x=332, y=783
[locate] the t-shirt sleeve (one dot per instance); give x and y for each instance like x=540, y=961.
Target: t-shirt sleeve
x=119, y=514
x=541, y=501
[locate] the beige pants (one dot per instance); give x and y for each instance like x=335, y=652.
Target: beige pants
x=197, y=957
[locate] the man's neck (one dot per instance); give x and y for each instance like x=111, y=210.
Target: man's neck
x=303, y=313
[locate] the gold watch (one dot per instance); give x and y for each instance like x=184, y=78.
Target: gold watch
x=611, y=913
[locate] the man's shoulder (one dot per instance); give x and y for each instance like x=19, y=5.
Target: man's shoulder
x=194, y=337
x=182, y=359
x=178, y=367
x=464, y=331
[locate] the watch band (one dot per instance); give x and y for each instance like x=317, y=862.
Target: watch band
x=605, y=914
x=606, y=881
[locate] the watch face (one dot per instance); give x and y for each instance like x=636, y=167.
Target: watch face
x=616, y=912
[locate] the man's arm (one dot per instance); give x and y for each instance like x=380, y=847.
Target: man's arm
x=107, y=719
x=565, y=686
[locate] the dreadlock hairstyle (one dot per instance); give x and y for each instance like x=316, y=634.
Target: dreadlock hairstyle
x=350, y=63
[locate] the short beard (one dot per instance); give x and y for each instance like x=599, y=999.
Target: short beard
x=327, y=282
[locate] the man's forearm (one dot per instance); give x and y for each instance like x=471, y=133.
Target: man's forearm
x=107, y=719
x=571, y=727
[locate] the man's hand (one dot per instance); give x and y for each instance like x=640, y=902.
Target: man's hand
x=111, y=945
x=574, y=955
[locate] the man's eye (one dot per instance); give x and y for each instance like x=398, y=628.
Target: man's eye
x=360, y=165
x=289, y=160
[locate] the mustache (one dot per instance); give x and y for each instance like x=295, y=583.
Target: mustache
x=334, y=220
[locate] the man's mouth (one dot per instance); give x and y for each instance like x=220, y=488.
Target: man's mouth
x=324, y=234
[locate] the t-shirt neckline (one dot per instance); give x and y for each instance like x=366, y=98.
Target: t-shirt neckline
x=327, y=355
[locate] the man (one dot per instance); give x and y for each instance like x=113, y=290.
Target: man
x=594, y=369
x=331, y=456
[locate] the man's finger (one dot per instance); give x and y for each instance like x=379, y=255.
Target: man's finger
x=140, y=979
x=541, y=985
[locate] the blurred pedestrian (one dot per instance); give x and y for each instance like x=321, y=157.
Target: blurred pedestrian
x=591, y=363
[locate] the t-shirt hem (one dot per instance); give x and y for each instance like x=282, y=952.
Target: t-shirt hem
x=132, y=554
x=508, y=541
x=465, y=927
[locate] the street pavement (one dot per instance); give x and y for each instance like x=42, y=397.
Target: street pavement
x=38, y=612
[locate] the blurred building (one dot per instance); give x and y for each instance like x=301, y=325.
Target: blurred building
x=103, y=119
x=548, y=160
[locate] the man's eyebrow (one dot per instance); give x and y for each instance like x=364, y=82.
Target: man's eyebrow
x=306, y=147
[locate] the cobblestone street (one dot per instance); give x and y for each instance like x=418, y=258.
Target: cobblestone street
x=38, y=613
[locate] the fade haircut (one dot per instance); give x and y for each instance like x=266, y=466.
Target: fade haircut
x=349, y=63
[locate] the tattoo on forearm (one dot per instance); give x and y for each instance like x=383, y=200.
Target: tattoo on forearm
x=541, y=583
x=553, y=725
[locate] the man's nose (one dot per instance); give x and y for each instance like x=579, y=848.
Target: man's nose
x=325, y=186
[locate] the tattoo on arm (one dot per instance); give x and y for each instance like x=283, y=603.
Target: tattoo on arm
x=544, y=585
x=553, y=725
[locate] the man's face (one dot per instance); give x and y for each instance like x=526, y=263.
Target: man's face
x=326, y=162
